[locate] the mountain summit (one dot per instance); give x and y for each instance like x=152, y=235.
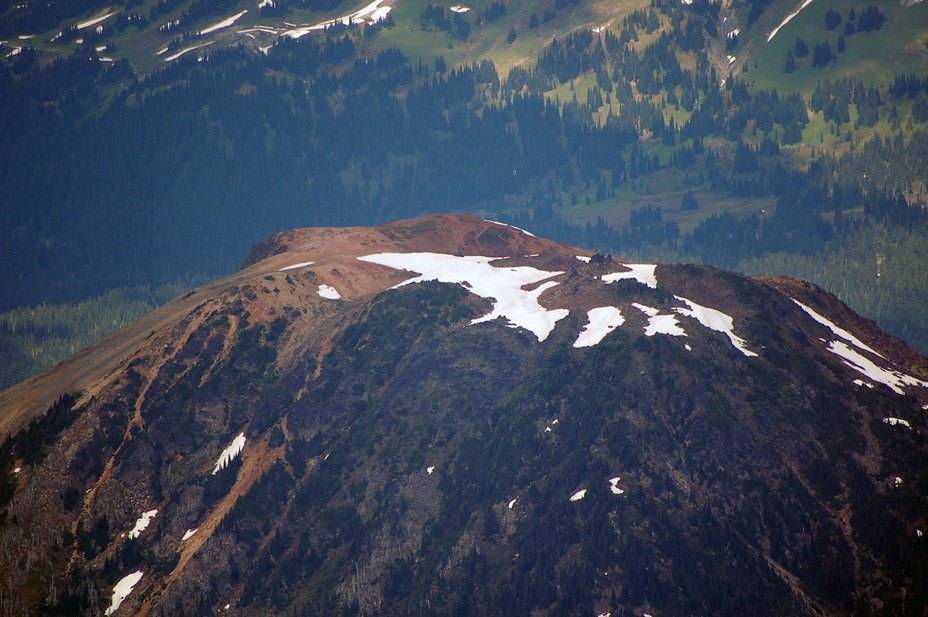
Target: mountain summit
x=452, y=416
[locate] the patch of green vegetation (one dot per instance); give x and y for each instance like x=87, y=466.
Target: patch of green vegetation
x=35, y=339
x=874, y=57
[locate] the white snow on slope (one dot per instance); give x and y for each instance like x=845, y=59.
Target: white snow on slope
x=893, y=379
x=183, y=51
x=459, y=9
x=897, y=422
x=502, y=285
x=583, y=258
x=230, y=453
x=715, y=320
x=358, y=17
x=578, y=495
x=302, y=264
x=430, y=469
x=189, y=533
x=659, y=324
x=602, y=321
x=643, y=273
x=841, y=332
x=329, y=293
x=93, y=22
x=225, y=23
x=512, y=503
x=142, y=524
x=787, y=19
x=614, y=486
x=527, y=233
x=122, y=590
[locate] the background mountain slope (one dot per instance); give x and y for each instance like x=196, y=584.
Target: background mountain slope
x=621, y=127
x=316, y=438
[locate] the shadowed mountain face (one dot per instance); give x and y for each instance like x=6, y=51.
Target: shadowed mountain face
x=451, y=416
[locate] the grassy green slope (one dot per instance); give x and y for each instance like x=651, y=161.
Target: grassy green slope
x=900, y=47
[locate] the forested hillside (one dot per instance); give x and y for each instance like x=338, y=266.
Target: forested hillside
x=630, y=138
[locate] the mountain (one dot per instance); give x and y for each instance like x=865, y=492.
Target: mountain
x=150, y=143
x=447, y=415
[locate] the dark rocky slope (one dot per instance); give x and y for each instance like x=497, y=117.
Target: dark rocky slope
x=380, y=453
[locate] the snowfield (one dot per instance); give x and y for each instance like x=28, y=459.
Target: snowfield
x=122, y=590
x=373, y=12
x=715, y=320
x=602, y=321
x=230, y=453
x=614, y=486
x=328, y=292
x=578, y=495
x=659, y=324
x=296, y=266
x=643, y=273
x=93, y=22
x=225, y=23
x=788, y=19
x=840, y=332
x=502, y=285
x=142, y=524
x=505, y=286
x=173, y=57
x=527, y=233
x=894, y=380
x=897, y=422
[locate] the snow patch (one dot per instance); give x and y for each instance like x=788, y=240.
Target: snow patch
x=861, y=382
x=372, y=10
x=583, y=258
x=840, y=332
x=225, y=23
x=715, y=320
x=230, y=453
x=459, y=9
x=897, y=481
x=614, y=486
x=512, y=503
x=578, y=495
x=430, y=469
x=17, y=469
x=142, y=524
x=328, y=292
x=93, y=22
x=601, y=321
x=503, y=285
x=189, y=534
x=788, y=19
x=892, y=379
x=122, y=590
x=527, y=233
x=183, y=51
x=897, y=422
x=731, y=59
x=659, y=324
x=643, y=273
x=302, y=264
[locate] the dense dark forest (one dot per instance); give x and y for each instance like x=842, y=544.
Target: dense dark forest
x=113, y=180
